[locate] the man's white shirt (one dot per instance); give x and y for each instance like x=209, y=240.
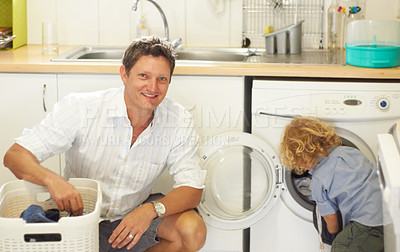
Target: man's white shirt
x=94, y=131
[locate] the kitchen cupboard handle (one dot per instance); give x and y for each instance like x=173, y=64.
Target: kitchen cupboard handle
x=44, y=97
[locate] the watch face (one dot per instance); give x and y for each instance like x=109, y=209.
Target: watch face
x=159, y=208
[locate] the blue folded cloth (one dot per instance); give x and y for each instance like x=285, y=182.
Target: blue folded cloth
x=36, y=214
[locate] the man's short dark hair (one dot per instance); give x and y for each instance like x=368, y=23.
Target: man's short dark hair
x=145, y=46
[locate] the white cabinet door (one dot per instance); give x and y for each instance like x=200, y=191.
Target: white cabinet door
x=216, y=102
x=24, y=98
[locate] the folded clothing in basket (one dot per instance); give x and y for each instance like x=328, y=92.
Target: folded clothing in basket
x=36, y=214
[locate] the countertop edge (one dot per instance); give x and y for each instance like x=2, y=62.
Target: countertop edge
x=28, y=59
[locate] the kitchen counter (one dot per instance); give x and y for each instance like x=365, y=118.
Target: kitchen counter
x=29, y=59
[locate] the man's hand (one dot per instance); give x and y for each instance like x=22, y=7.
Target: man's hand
x=133, y=226
x=25, y=166
x=66, y=196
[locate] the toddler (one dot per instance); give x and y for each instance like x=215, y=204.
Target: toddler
x=343, y=179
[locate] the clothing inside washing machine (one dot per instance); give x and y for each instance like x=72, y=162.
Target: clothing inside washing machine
x=299, y=187
x=303, y=184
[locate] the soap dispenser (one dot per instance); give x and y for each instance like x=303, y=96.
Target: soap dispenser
x=141, y=28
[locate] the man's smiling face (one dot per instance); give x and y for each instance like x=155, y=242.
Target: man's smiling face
x=147, y=83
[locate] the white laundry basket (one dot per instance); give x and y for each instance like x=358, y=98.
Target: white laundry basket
x=78, y=233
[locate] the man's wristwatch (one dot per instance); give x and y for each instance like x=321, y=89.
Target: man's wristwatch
x=159, y=208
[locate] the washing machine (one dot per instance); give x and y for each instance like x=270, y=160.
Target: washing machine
x=357, y=110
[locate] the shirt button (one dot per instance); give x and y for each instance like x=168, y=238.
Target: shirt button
x=126, y=160
x=114, y=205
x=119, y=182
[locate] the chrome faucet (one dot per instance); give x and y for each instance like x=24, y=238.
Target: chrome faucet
x=177, y=42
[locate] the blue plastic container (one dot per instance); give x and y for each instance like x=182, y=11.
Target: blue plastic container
x=373, y=43
x=376, y=56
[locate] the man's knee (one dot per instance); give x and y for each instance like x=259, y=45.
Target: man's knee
x=193, y=231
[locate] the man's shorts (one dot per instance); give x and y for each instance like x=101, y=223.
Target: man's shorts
x=148, y=239
x=357, y=237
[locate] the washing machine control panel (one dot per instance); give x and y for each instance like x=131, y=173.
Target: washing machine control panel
x=346, y=101
x=354, y=106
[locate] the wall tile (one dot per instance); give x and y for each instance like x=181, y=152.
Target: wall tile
x=37, y=12
x=79, y=22
x=382, y=9
x=236, y=23
x=114, y=22
x=207, y=23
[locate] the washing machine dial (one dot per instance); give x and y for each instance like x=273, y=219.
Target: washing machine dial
x=383, y=103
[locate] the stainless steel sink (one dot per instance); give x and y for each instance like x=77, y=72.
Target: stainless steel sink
x=112, y=55
x=95, y=53
x=214, y=54
x=91, y=53
x=200, y=54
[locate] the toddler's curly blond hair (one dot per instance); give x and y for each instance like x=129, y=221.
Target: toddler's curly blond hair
x=304, y=141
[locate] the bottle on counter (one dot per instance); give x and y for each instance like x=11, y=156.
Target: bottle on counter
x=334, y=26
x=141, y=28
x=349, y=10
x=342, y=27
x=355, y=12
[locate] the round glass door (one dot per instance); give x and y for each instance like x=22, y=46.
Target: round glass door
x=240, y=185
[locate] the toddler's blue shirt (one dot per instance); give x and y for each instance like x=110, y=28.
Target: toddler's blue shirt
x=347, y=181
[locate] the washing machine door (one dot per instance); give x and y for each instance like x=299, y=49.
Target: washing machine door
x=243, y=180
